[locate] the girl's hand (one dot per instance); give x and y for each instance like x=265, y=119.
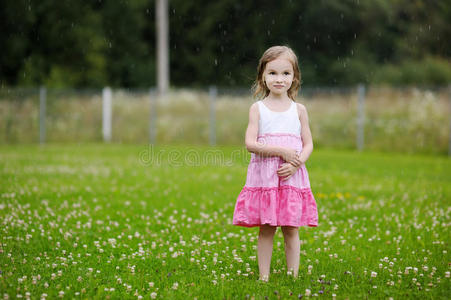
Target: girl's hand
x=291, y=156
x=286, y=170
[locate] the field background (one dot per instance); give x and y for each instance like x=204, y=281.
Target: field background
x=129, y=221
x=408, y=120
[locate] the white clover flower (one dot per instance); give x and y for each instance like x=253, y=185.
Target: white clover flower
x=153, y=295
x=373, y=274
x=308, y=292
x=175, y=286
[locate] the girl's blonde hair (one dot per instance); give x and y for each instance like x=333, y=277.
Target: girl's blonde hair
x=259, y=87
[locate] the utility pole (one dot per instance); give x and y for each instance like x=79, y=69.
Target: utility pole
x=161, y=7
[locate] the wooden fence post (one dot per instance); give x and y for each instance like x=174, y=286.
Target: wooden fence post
x=361, y=117
x=213, y=93
x=449, y=145
x=106, y=114
x=42, y=113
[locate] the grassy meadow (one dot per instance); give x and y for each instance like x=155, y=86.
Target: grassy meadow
x=140, y=222
x=409, y=120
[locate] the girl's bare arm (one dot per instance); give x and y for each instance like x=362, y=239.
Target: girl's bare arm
x=306, y=135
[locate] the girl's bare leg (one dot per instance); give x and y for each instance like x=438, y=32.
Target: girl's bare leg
x=265, y=243
x=292, y=248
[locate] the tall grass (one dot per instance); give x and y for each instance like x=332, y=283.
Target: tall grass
x=404, y=120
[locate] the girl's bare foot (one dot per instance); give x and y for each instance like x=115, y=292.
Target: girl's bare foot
x=264, y=278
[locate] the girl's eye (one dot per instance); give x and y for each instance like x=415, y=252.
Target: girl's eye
x=287, y=73
x=272, y=73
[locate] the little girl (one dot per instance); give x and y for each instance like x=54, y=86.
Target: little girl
x=277, y=190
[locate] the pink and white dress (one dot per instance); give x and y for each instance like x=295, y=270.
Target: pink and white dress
x=266, y=198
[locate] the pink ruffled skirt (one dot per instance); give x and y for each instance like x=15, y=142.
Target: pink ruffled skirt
x=267, y=199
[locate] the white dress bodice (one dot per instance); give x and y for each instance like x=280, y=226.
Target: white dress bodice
x=278, y=122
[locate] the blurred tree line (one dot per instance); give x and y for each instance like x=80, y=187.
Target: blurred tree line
x=75, y=43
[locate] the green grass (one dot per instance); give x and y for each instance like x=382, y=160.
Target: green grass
x=107, y=221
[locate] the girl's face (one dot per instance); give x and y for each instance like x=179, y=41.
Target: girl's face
x=278, y=75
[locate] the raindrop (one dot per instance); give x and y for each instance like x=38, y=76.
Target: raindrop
x=225, y=32
x=216, y=62
x=148, y=11
x=109, y=44
x=269, y=32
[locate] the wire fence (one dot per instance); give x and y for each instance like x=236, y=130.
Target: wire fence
x=410, y=120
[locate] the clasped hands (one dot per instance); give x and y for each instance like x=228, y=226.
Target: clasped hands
x=292, y=163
